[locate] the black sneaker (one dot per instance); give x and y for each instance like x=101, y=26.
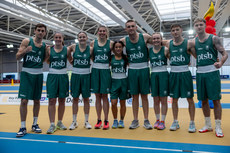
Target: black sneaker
x=36, y=129
x=21, y=132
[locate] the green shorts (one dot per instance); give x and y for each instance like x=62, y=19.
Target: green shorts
x=80, y=84
x=181, y=85
x=139, y=81
x=30, y=86
x=57, y=85
x=208, y=85
x=119, y=89
x=100, y=81
x=160, y=84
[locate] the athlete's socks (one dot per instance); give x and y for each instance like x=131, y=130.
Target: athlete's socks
x=23, y=124
x=86, y=117
x=208, y=121
x=35, y=120
x=52, y=123
x=74, y=117
x=158, y=117
x=218, y=123
x=163, y=117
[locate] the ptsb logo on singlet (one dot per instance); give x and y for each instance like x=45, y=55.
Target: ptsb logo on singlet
x=80, y=62
x=204, y=56
x=118, y=70
x=100, y=58
x=30, y=58
x=57, y=63
x=159, y=63
x=180, y=58
x=134, y=56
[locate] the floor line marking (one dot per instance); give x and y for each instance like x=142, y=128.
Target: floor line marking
x=101, y=145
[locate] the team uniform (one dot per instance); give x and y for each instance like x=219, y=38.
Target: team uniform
x=57, y=81
x=80, y=79
x=159, y=74
x=101, y=75
x=138, y=72
x=31, y=78
x=119, y=87
x=180, y=84
x=208, y=76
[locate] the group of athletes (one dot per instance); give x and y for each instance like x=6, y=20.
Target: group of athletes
x=108, y=75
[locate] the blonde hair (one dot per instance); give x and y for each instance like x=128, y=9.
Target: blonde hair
x=107, y=30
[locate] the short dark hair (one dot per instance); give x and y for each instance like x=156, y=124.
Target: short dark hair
x=175, y=25
x=40, y=26
x=131, y=20
x=199, y=20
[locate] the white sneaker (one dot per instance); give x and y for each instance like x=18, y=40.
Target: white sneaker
x=192, y=127
x=174, y=126
x=206, y=129
x=87, y=125
x=219, y=132
x=73, y=126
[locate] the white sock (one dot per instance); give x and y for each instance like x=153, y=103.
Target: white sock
x=59, y=121
x=218, y=123
x=52, y=123
x=74, y=117
x=86, y=117
x=23, y=124
x=163, y=117
x=208, y=121
x=158, y=116
x=192, y=122
x=35, y=120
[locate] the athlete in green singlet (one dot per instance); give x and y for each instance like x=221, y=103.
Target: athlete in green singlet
x=138, y=72
x=101, y=75
x=208, y=82
x=57, y=84
x=80, y=79
x=180, y=84
x=159, y=81
x=32, y=50
x=119, y=88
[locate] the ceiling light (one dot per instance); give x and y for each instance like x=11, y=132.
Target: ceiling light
x=227, y=29
x=10, y=46
x=190, y=32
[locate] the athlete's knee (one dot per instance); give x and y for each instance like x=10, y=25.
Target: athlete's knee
x=75, y=100
x=98, y=96
x=114, y=103
x=52, y=101
x=36, y=102
x=24, y=102
x=216, y=102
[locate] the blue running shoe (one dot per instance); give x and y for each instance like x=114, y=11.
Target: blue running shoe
x=115, y=124
x=121, y=124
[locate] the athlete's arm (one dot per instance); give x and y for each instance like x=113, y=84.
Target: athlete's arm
x=91, y=49
x=167, y=54
x=191, y=47
x=148, y=39
x=47, y=59
x=24, y=48
x=165, y=43
x=123, y=40
x=220, y=48
x=70, y=49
